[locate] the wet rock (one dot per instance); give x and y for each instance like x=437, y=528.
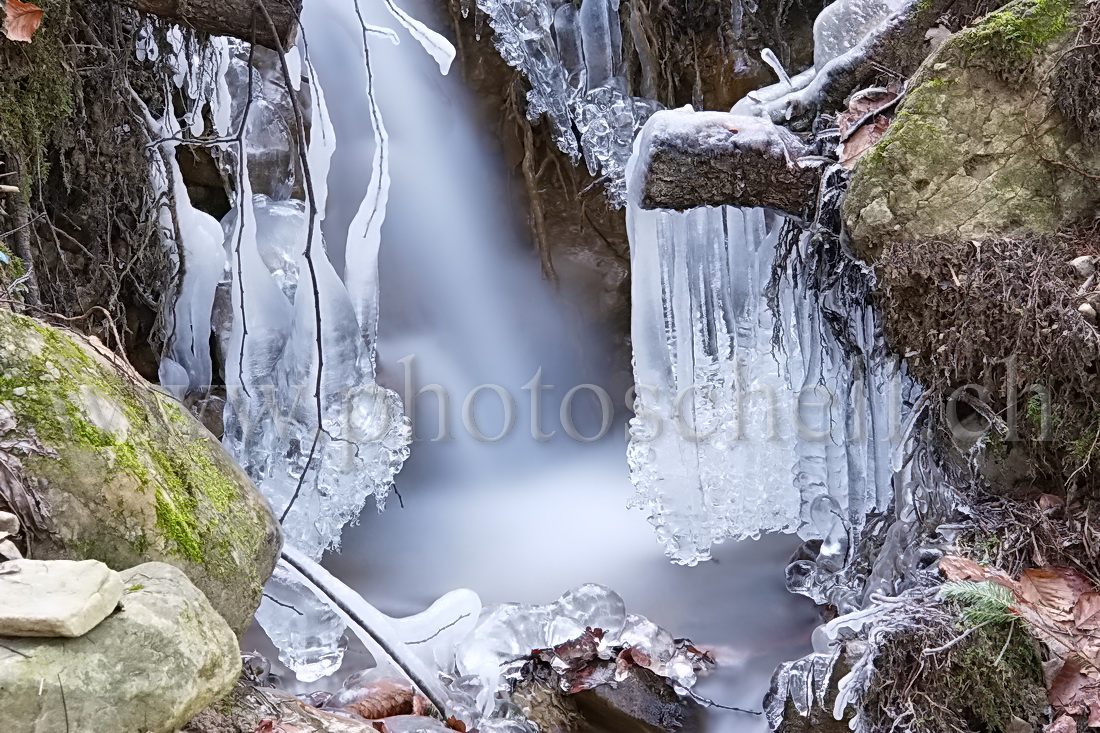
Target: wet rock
x=977, y=149
x=9, y=523
x=643, y=702
x=249, y=708
x=150, y=667
x=55, y=597
x=128, y=476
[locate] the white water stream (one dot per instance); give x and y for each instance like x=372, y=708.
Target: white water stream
x=460, y=293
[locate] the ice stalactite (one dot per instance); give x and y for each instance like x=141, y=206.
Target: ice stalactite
x=304, y=415
x=752, y=413
x=192, y=237
x=573, y=61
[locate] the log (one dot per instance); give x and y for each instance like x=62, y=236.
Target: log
x=695, y=159
x=239, y=18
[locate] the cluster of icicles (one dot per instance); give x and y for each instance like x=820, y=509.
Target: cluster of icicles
x=307, y=420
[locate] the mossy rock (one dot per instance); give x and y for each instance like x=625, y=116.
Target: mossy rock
x=136, y=478
x=978, y=149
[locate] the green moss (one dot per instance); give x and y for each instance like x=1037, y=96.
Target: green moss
x=910, y=131
x=194, y=496
x=36, y=88
x=1018, y=31
x=989, y=673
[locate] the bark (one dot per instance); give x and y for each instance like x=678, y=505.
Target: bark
x=719, y=159
x=240, y=18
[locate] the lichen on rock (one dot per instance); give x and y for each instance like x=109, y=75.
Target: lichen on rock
x=978, y=148
x=149, y=667
x=136, y=478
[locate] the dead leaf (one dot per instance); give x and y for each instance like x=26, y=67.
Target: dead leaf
x=1064, y=724
x=455, y=724
x=21, y=20
x=1049, y=502
x=1046, y=587
x=859, y=127
x=956, y=568
x=862, y=140
x=1074, y=692
x=1086, y=612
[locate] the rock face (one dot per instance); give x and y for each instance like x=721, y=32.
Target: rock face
x=135, y=478
x=978, y=149
x=150, y=667
x=55, y=597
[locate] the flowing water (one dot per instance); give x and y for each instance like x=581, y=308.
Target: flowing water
x=462, y=304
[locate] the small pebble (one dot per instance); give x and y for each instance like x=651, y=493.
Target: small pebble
x=1085, y=265
x=1088, y=312
x=19, y=391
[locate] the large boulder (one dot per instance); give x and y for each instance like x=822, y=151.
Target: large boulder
x=979, y=148
x=122, y=473
x=148, y=668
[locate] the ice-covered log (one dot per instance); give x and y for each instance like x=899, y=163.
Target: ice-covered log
x=718, y=159
x=230, y=17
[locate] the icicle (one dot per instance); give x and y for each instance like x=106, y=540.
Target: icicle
x=439, y=47
x=365, y=231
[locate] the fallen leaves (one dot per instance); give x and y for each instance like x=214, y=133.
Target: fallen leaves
x=861, y=126
x=21, y=20
x=1060, y=609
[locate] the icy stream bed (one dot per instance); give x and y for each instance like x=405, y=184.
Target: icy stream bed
x=462, y=304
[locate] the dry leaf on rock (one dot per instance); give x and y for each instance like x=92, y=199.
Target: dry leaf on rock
x=1074, y=692
x=859, y=127
x=21, y=20
x=957, y=568
x=1056, y=589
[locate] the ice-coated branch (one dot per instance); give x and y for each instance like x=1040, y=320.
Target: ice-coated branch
x=717, y=159
x=230, y=18
x=372, y=626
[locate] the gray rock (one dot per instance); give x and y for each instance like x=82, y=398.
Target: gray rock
x=56, y=597
x=130, y=476
x=1085, y=265
x=9, y=523
x=146, y=669
x=976, y=150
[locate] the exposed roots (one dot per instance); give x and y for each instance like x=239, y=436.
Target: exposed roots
x=1002, y=316
x=935, y=675
x=1077, y=78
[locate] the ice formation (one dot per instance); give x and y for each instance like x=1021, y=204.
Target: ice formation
x=750, y=416
x=304, y=415
x=494, y=653
x=573, y=60
x=192, y=238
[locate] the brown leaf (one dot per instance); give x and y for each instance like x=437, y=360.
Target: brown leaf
x=862, y=140
x=455, y=724
x=1086, y=612
x=859, y=127
x=956, y=567
x=1049, y=502
x=1073, y=692
x=21, y=20
x=1055, y=588
x=1064, y=724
